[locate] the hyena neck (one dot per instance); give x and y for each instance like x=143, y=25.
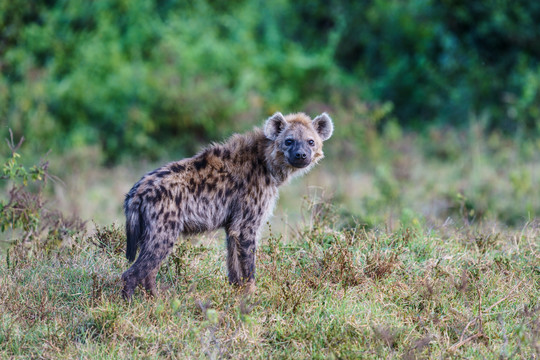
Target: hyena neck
x=279, y=174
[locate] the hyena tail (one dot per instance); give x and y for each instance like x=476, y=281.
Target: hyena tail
x=134, y=225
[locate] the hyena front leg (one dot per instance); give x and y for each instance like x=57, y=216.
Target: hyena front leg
x=241, y=248
x=144, y=270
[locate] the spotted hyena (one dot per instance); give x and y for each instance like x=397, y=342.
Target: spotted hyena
x=233, y=185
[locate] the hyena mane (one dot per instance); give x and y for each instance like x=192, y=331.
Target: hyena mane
x=232, y=185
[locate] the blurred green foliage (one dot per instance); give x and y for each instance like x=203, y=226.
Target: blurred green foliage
x=131, y=76
x=25, y=219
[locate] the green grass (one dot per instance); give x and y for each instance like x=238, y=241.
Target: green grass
x=328, y=291
x=418, y=247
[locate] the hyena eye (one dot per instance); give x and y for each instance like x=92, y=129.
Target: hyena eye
x=288, y=142
x=311, y=143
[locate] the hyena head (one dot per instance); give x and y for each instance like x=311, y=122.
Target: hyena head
x=299, y=138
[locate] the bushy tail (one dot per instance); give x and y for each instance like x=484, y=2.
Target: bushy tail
x=134, y=225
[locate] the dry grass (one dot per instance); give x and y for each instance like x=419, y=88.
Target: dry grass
x=324, y=293
x=421, y=254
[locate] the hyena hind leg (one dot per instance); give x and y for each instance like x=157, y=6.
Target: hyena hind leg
x=149, y=282
x=130, y=283
x=145, y=269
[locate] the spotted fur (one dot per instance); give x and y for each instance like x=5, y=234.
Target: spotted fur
x=233, y=185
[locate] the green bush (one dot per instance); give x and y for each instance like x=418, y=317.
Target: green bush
x=435, y=61
x=130, y=75
x=134, y=76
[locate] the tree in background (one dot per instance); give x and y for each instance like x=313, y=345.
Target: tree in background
x=131, y=76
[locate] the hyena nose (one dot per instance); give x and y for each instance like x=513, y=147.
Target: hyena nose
x=300, y=155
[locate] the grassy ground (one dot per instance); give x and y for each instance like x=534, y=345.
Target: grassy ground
x=328, y=292
x=421, y=247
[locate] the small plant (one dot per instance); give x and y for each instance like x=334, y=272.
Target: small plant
x=24, y=214
x=380, y=265
x=110, y=239
x=338, y=263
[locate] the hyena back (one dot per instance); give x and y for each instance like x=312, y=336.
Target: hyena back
x=233, y=185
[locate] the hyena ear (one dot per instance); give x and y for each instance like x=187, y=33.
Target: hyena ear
x=274, y=126
x=324, y=126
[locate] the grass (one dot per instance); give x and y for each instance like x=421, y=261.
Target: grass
x=421, y=247
x=327, y=292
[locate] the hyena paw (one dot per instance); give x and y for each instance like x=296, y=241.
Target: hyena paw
x=126, y=294
x=250, y=288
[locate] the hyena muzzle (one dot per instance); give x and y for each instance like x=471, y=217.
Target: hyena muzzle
x=233, y=185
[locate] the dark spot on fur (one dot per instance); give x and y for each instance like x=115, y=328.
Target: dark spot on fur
x=162, y=173
x=267, y=180
x=244, y=242
x=217, y=151
x=210, y=186
x=156, y=246
x=226, y=154
x=178, y=199
x=177, y=168
x=200, y=164
x=220, y=193
x=157, y=196
x=263, y=168
x=145, y=192
x=248, y=217
x=228, y=193
x=164, y=191
x=199, y=188
x=192, y=185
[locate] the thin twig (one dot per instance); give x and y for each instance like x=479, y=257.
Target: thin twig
x=504, y=298
x=11, y=143
x=463, y=342
x=480, y=320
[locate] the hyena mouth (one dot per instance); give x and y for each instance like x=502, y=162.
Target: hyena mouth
x=299, y=163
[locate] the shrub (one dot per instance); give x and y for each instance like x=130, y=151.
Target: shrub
x=24, y=214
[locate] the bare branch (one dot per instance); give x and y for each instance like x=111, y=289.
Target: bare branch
x=11, y=143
